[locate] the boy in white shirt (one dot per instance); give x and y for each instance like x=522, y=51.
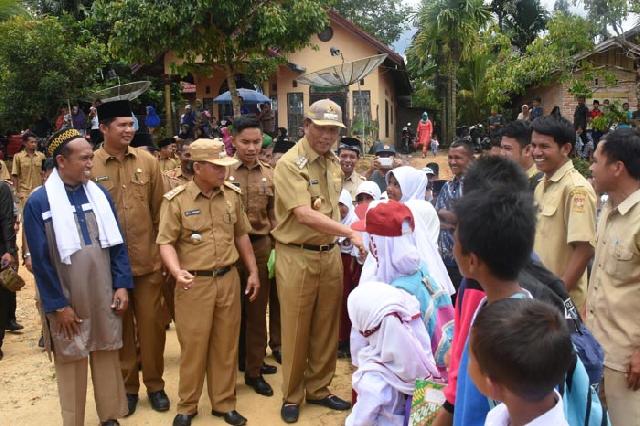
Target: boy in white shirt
x=520, y=350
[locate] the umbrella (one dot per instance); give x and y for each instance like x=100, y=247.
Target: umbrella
x=248, y=96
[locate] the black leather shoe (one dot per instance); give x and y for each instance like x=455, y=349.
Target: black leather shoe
x=41, y=342
x=183, y=419
x=132, y=403
x=289, y=413
x=277, y=355
x=13, y=325
x=268, y=369
x=110, y=423
x=259, y=385
x=232, y=417
x=159, y=401
x=332, y=402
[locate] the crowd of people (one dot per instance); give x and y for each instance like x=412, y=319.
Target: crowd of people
x=512, y=285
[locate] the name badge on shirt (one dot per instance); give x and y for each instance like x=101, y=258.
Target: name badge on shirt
x=314, y=182
x=101, y=178
x=192, y=212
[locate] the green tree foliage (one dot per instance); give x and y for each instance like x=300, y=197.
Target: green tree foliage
x=524, y=21
x=79, y=9
x=605, y=14
x=42, y=64
x=384, y=19
x=549, y=56
x=448, y=30
x=232, y=34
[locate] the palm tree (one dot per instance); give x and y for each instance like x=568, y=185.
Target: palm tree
x=447, y=31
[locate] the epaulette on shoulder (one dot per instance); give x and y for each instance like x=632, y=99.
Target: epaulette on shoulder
x=264, y=164
x=232, y=186
x=175, y=191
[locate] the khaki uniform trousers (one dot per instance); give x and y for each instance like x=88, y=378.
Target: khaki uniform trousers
x=143, y=328
x=207, y=324
x=253, y=329
x=275, y=343
x=623, y=403
x=108, y=387
x=310, y=292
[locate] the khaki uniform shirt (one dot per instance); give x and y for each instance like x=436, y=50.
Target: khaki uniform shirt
x=135, y=184
x=352, y=183
x=614, y=288
x=202, y=229
x=566, y=214
x=28, y=169
x=4, y=171
x=256, y=184
x=173, y=178
x=168, y=164
x=305, y=178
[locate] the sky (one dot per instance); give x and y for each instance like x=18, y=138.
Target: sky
x=404, y=41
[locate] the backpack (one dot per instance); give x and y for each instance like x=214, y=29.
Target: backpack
x=582, y=406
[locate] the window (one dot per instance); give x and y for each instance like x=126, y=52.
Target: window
x=362, y=105
x=326, y=34
x=295, y=114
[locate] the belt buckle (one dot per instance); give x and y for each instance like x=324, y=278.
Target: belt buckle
x=325, y=247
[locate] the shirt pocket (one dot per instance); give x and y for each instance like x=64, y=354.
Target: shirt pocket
x=140, y=182
x=194, y=228
x=621, y=262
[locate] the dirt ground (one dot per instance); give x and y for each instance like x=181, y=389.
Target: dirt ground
x=28, y=393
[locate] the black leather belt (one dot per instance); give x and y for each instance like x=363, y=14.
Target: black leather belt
x=256, y=237
x=312, y=247
x=211, y=273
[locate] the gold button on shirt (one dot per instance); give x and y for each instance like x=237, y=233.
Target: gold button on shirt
x=202, y=229
x=28, y=170
x=256, y=184
x=614, y=288
x=304, y=178
x=135, y=184
x=566, y=214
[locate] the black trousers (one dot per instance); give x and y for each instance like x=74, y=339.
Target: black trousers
x=7, y=298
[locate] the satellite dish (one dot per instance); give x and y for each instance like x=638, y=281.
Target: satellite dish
x=122, y=92
x=344, y=74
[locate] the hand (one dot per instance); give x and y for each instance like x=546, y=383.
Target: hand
x=448, y=217
x=253, y=286
x=183, y=279
x=6, y=260
x=376, y=164
x=633, y=372
x=68, y=322
x=28, y=263
x=397, y=162
x=356, y=240
x=120, y=301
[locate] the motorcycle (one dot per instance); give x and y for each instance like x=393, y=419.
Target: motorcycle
x=406, y=140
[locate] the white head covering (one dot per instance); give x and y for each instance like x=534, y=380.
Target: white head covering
x=369, y=187
x=345, y=198
x=413, y=182
x=396, y=342
x=396, y=256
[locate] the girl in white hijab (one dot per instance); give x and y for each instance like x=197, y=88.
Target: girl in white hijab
x=394, y=351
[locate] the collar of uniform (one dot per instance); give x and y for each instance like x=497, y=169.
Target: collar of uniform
x=310, y=153
x=629, y=202
x=131, y=152
x=241, y=164
x=354, y=175
x=562, y=171
x=532, y=171
x=194, y=190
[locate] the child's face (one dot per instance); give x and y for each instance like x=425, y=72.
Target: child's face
x=344, y=210
x=461, y=259
x=393, y=189
x=363, y=198
x=481, y=381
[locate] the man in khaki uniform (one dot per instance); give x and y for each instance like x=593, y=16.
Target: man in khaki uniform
x=565, y=233
x=203, y=232
x=614, y=288
x=308, y=183
x=255, y=179
x=27, y=168
x=4, y=172
x=132, y=177
x=166, y=153
x=349, y=153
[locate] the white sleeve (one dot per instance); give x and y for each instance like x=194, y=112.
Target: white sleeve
x=374, y=397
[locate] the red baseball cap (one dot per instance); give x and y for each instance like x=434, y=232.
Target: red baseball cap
x=385, y=219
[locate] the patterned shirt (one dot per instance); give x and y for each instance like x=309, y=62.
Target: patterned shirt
x=450, y=192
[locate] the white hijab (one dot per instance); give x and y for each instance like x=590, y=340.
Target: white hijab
x=413, y=182
x=351, y=217
x=398, y=346
x=370, y=188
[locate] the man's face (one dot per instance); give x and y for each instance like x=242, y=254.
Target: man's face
x=625, y=106
x=581, y=101
x=119, y=132
x=602, y=171
x=321, y=138
x=210, y=174
x=548, y=156
x=459, y=160
x=185, y=154
x=165, y=152
x=348, y=160
x=31, y=144
x=75, y=168
x=248, y=144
